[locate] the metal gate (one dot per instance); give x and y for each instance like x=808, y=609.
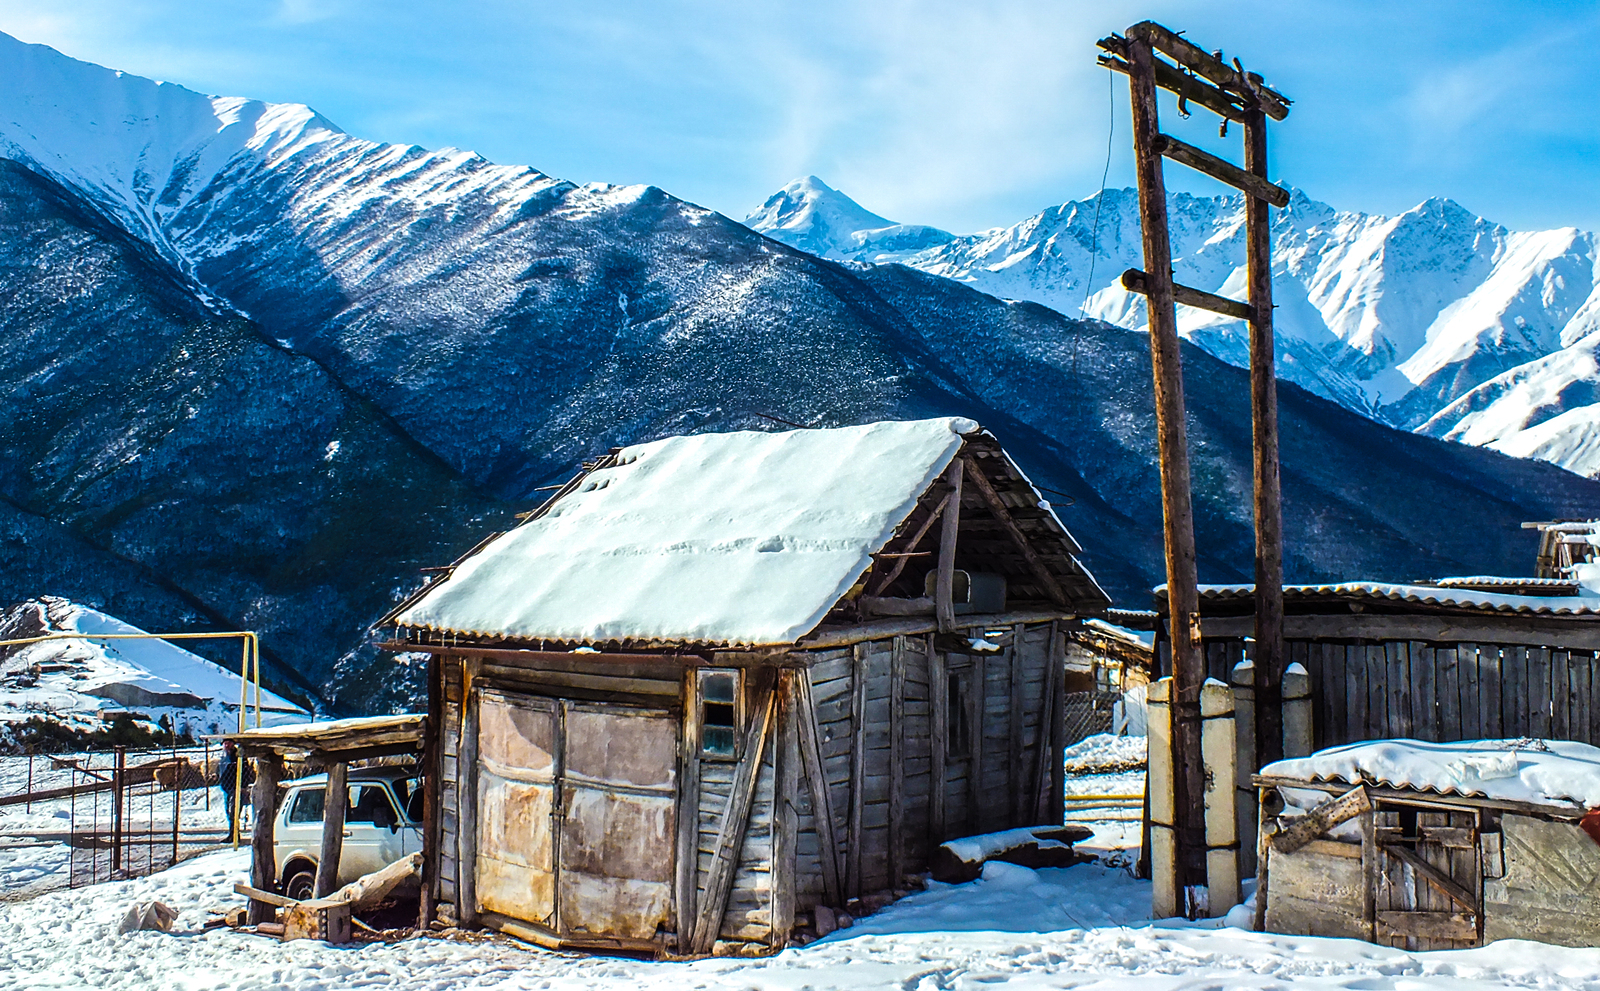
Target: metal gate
x=577, y=814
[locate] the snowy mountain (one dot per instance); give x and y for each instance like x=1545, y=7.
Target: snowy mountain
x=84, y=684
x=259, y=372
x=1398, y=318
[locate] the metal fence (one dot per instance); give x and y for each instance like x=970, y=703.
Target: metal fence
x=88, y=817
x=1088, y=713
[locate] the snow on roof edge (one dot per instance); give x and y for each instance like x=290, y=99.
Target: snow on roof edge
x=1432, y=595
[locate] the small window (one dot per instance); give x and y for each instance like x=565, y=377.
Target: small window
x=307, y=806
x=719, y=714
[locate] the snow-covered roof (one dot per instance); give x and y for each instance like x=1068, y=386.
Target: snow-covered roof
x=1586, y=604
x=744, y=538
x=1538, y=772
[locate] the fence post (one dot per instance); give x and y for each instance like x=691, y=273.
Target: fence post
x=1217, y=744
x=118, y=787
x=1163, y=841
x=1296, y=711
x=1244, y=732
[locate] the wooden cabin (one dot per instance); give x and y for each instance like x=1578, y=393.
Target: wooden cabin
x=1433, y=846
x=720, y=680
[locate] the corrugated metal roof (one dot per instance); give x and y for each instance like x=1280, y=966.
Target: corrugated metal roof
x=1431, y=595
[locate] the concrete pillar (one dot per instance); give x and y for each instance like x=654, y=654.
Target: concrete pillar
x=1296, y=711
x=1244, y=732
x=1219, y=751
x=1163, y=840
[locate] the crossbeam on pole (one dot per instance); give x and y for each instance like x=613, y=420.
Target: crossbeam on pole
x=1134, y=280
x=1247, y=85
x=1221, y=170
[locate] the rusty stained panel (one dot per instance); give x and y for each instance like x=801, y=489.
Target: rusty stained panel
x=619, y=828
x=516, y=790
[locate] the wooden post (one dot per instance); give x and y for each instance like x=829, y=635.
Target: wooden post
x=1183, y=597
x=263, y=869
x=1016, y=770
x=467, y=797
x=785, y=819
x=687, y=869
x=432, y=789
x=939, y=745
x=1269, y=656
x=858, y=770
x=821, y=802
x=978, y=706
x=897, y=761
x=119, y=793
x=334, y=800
x=944, y=584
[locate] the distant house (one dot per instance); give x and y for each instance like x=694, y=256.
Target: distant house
x=721, y=680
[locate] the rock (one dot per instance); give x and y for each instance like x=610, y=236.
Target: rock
x=827, y=922
x=844, y=920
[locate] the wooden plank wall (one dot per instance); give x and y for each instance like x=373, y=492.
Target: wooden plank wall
x=1364, y=690
x=749, y=912
x=449, y=749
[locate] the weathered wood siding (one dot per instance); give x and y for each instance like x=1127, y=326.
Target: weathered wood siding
x=449, y=785
x=1319, y=890
x=1440, y=692
x=1551, y=883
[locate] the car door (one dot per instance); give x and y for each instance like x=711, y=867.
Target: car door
x=371, y=841
x=299, y=827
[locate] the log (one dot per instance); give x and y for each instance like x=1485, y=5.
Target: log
x=1300, y=830
x=1168, y=77
x=1248, y=87
x=263, y=868
x=370, y=889
x=1221, y=170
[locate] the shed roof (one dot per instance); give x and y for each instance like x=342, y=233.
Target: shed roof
x=1537, y=772
x=1467, y=595
x=744, y=538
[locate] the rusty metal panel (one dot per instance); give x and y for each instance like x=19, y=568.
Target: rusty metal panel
x=619, y=819
x=517, y=746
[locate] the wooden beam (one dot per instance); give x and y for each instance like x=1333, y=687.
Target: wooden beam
x=858, y=769
x=432, y=790
x=735, y=820
x=945, y=582
x=1221, y=170
x=1300, y=830
x=1428, y=925
x=939, y=746
x=977, y=708
x=897, y=761
x=1436, y=878
x=263, y=868
x=883, y=629
x=1016, y=771
x=1002, y=513
x=1169, y=77
x=821, y=798
x=1246, y=86
x=1134, y=280
x=687, y=869
x=887, y=578
x=1044, y=752
x=1432, y=628
x=785, y=819
x=1172, y=444
x=335, y=797
x=467, y=798
x=1270, y=658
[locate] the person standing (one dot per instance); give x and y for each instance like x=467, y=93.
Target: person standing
x=228, y=779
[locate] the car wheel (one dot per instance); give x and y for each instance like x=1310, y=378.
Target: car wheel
x=301, y=885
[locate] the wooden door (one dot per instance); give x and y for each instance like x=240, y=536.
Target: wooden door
x=618, y=816
x=518, y=766
x=1429, y=879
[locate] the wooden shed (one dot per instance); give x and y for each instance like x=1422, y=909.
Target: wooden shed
x=720, y=680
x=1434, y=846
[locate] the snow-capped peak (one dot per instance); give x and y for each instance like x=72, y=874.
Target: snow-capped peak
x=811, y=215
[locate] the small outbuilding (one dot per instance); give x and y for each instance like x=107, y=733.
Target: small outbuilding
x=721, y=685
x=1429, y=846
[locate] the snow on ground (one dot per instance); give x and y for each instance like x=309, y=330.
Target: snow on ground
x=1103, y=753
x=1079, y=927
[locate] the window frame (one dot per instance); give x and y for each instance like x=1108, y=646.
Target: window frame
x=701, y=676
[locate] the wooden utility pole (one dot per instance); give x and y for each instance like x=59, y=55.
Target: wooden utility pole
x=1202, y=78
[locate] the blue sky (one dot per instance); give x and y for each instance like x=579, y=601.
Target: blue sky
x=959, y=114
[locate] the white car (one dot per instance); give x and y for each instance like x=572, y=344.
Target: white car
x=383, y=822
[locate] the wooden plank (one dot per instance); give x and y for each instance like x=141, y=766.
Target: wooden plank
x=1514, y=713
x=735, y=820
x=467, y=799
x=1447, y=687
x=686, y=872
x=1436, y=878
x=821, y=795
x=1469, y=686
x=785, y=817
x=1560, y=695
x=977, y=695
x=1572, y=633
x=944, y=583
x=1046, y=740
x=1583, y=699
x=1539, y=694
x=1491, y=678
x=897, y=760
x=858, y=773
x=1016, y=671
x=1376, y=722
x=1398, y=659
x=1058, y=724
x=1428, y=925
x=1226, y=172
x=939, y=737
x=1425, y=697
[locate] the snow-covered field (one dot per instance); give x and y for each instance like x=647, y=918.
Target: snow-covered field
x=1081, y=927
